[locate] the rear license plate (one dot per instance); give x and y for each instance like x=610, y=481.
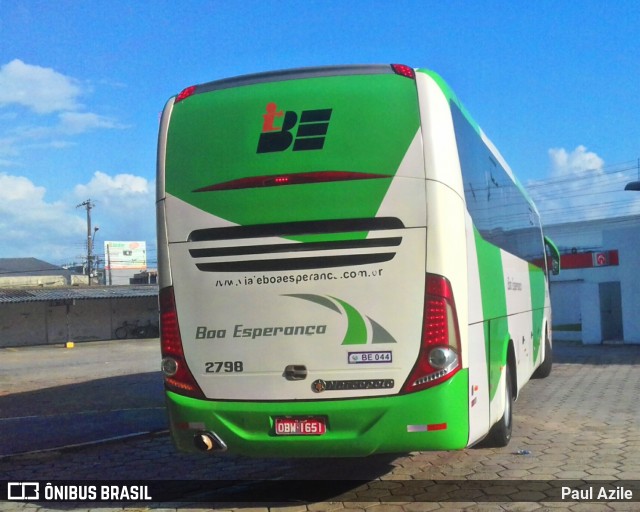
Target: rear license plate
x=300, y=426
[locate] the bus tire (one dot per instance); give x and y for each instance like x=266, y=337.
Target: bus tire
x=500, y=434
x=544, y=370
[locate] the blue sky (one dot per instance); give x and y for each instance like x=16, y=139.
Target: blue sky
x=554, y=84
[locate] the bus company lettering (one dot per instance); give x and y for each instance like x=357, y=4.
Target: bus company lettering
x=203, y=332
x=240, y=331
x=310, y=135
x=319, y=385
x=513, y=285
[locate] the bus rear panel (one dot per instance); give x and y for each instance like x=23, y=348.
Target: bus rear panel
x=298, y=313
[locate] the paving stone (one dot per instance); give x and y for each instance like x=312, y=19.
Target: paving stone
x=385, y=508
x=520, y=507
x=568, y=437
x=421, y=507
x=324, y=507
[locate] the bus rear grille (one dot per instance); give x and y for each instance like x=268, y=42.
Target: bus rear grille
x=328, y=260
x=283, y=229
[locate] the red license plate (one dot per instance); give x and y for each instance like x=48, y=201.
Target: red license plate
x=300, y=426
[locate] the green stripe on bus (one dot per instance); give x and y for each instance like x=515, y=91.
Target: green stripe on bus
x=213, y=138
x=356, y=327
x=451, y=96
x=494, y=308
x=538, y=286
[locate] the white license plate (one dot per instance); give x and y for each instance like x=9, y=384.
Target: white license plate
x=300, y=426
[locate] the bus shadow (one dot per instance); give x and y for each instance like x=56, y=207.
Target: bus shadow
x=83, y=412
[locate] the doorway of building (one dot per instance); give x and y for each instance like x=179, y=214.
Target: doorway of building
x=611, y=311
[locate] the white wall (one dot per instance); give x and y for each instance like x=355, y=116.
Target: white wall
x=584, y=298
x=627, y=241
x=564, y=297
x=38, y=323
x=22, y=322
x=32, y=281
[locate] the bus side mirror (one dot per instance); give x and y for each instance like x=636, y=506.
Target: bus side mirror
x=554, y=254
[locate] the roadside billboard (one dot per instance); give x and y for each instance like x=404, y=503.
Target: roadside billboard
x=125, y=255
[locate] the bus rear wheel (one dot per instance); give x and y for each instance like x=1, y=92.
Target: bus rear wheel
x=500, y=434
x=544, y=370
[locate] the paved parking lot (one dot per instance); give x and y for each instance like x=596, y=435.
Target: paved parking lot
x=579, y=425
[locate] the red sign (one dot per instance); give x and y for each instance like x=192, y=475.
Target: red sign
x=589, y=259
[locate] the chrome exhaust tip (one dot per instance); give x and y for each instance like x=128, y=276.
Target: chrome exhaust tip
x=209, y=442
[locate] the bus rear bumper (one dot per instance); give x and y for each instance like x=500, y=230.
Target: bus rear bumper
x=433, y=419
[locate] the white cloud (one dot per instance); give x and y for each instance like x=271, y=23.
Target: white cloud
x=32, y=226
x=581, y=187
x=42, y=90
x=55, y=231
x=578, y=160
x=114, y=187
x=79, y=122
x=18, y=188
x=125, y=206
x=54, y=114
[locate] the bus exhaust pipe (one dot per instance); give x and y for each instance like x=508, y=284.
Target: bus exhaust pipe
x=209, y=442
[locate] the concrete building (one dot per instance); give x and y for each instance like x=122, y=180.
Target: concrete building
x=25, y=272
x=41, y=304
x=596, y=297
x=40, y=316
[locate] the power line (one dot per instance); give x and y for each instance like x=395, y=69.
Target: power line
x=585, y=173
x=591, y=190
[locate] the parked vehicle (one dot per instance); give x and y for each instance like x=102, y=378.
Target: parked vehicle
x=133, y=330
x=347, y=265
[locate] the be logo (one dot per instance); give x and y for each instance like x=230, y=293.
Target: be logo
x=278, y=125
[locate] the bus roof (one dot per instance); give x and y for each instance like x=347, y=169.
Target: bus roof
x=292, y=74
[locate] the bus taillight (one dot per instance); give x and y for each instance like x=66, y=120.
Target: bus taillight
x=185, y=93
x=439, y=357
x=402, y=70
x=177, y=376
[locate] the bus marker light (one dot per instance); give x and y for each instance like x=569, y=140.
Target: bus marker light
x=427, y=428
x=403, y=70
x=185, y=93
x=296, y=178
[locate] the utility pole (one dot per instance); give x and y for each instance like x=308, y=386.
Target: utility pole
x=88, y=205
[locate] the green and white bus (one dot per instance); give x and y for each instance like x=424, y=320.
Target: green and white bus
x=347, y=266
